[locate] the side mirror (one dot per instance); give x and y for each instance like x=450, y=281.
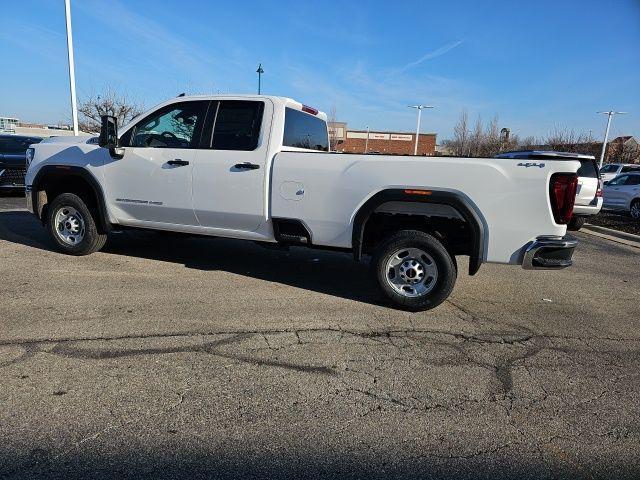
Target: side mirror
x=108, y=132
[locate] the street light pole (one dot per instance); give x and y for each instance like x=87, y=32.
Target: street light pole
x=609, y=114
x=366, y=142
x=72, y=72
x=419, y=108
x=259, y=71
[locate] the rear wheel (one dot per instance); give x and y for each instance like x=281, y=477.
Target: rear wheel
x=634, y=211
x=414, y=270
x=576, y=223
x=72, y=226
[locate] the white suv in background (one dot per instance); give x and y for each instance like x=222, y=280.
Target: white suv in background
x=589, y=191
x=612, y=170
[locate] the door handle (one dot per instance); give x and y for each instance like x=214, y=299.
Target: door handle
x=178, y=162
x=246, y=166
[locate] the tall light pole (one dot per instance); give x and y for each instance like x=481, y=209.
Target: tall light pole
x=366, y=142
x=609, y=114
x=419, y=108
x=72, y=72
x=259, y=71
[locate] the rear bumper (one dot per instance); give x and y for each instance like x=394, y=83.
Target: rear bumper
x=587, y=210
x=549, y=253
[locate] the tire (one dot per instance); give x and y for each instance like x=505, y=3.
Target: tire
x=634, y=209
x=400, y=257
x=576, y=223
x=72, y=226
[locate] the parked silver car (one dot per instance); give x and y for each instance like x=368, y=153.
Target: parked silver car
x=610, y=171
x=623, y=194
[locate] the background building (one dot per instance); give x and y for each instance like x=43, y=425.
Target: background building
x=391, y=143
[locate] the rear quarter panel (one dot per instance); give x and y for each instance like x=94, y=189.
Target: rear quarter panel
x=512, y=201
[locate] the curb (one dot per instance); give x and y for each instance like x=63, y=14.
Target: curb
x=610, y=234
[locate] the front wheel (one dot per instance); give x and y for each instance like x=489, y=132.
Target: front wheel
x=634, y=210
x=414, y=270
x=72, y=226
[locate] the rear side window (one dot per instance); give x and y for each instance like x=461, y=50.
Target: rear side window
x=629, y=169
x=303, y=130
x=237, y=125
x=632, y=180
x=588, y=168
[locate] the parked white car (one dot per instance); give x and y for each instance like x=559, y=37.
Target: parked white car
x=610, y=171
x=589, y=192
x=259, y=168
x=623, y=194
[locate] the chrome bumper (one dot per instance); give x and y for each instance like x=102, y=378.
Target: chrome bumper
x=549, y=253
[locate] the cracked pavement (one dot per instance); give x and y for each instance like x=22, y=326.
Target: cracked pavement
x=209, y=358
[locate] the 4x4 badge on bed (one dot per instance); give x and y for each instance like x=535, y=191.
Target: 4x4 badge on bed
x=531, y=164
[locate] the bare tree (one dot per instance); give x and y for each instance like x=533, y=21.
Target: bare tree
x=333, y=137
x=458, y=145
x=107, y=103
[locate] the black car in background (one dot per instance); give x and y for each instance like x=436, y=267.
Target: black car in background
x=13, y=161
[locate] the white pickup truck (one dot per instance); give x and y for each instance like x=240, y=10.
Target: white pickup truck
x=259, y=168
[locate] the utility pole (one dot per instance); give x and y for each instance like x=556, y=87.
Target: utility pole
x=609, y=114
x=72, y=72
x=419, y=108
x=366, y=142
x=259, y=71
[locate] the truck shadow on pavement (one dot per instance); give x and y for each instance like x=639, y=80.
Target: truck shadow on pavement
x=332, y=273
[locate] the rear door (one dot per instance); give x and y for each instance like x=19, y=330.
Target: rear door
x=230, y=165
x=587, y=182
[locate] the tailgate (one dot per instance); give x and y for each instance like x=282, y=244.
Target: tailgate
x=587, y=182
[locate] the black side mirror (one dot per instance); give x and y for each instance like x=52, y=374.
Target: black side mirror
x=108, y=132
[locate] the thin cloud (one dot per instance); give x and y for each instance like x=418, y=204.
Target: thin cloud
x=436, y=53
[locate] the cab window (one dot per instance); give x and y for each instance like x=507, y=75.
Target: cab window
x=174, y=126
x=302, y=130
x=237, y=125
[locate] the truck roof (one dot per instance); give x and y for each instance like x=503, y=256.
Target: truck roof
x=284, y=101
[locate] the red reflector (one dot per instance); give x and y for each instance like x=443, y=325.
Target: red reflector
x=308, y=109
x=418, y=192
x=562, y=193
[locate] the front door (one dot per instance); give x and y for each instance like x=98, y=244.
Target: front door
x=152, y=182
x=613, y=194
x=229, y=168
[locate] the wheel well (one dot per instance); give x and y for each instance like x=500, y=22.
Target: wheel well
x=52, y=184
x=453, y=233
x=449, y=216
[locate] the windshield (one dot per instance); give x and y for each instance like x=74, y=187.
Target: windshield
x=609, y=168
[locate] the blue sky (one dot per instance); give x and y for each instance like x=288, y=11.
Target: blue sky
x=536, y=64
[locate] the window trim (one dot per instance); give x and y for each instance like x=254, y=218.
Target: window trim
x=197, y=132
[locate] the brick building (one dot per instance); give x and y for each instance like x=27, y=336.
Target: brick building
x=391, y=143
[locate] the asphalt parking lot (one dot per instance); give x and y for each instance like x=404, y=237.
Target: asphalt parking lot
x=208, y=358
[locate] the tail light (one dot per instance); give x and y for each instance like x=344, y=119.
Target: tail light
x=599, y=191
x=308, y=109
x=562, y=192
